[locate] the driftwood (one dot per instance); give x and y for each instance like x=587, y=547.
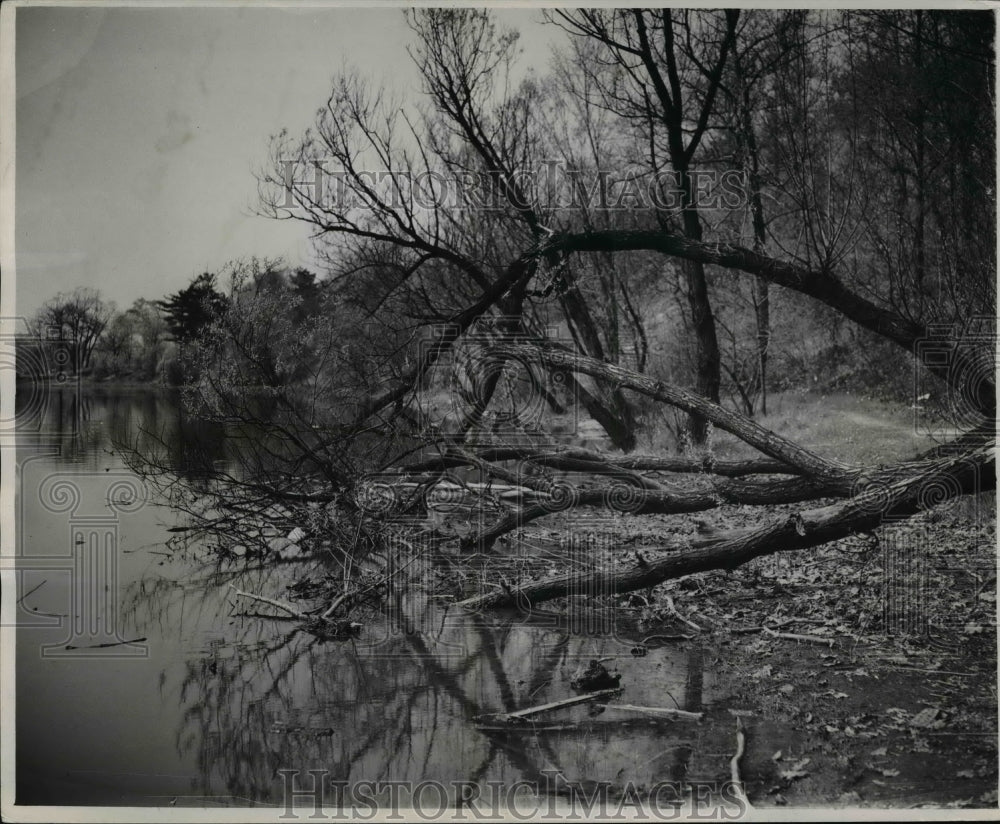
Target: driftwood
x=564, y=702
x=660, y=712
x=520, y=715
x=273, y=602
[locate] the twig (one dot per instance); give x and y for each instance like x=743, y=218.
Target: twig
x=553, y=705
x=673, y=610
x=265, y=615
x=34, y=589
x=806, y=639
x=111, y=644
x=540, y=686
x=734, y=763
x=658, y=711
x=565, y=702
x=532, y=730
x=336, y=602
x=274, y=603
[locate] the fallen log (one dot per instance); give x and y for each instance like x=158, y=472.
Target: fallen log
x=769, y=443
x=971, y=472
x=585, y=460
x=676, y=500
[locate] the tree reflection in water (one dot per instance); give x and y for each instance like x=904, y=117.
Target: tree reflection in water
x=398, y=702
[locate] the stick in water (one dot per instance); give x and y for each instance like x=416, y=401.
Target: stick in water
x=658, y=711
x=112, y=644
x=734, y=763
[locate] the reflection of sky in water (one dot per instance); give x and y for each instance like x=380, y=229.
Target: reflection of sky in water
x=221, y=703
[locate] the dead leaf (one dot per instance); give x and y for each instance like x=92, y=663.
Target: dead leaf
x=792, y=775
x=924, y=718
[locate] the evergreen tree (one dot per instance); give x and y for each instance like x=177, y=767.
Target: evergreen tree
x=190, y=310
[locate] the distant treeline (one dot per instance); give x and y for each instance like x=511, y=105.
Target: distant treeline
x=79, y=333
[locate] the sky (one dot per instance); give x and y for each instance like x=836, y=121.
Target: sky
x=138, y=131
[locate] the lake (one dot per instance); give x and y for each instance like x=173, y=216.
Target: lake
x=214, y=707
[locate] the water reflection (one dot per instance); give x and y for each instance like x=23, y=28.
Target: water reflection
x=83, y=427
x=224, y=701
x=399, y=703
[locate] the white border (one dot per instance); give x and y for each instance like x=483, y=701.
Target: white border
x=8, y=98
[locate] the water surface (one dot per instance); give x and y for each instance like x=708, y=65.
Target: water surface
x=211, y=706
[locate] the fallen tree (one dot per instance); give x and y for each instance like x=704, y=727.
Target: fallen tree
x=362, y=447
x=969, y=472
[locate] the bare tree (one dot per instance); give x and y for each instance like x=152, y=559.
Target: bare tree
x=665, y=70
x=431, y=277
x=77, y=319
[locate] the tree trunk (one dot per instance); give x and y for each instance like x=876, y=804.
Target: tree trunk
x=627, y=498
x=616, y=418
x=825, y=287
x=971, y=473
x=707, y=359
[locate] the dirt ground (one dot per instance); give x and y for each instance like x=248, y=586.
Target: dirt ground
x=888, y=697
x=865, y=671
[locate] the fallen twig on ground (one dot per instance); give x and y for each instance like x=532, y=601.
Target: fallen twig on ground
x=657, y=711
x=805, y=639
x=672, y=607
x=734, y=763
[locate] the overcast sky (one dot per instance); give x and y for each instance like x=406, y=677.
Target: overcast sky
x=138, y=130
